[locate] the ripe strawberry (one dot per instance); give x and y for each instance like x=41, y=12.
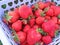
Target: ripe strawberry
x=47, y=4
x=39, y=20
x=39, y=13
x=41, y=5
x=55, y=9
x=54, y=19
x=47, y=17
x=12, y=16
x=21, y=36
x=35, y=26
x=33, y=36
x=32, y=21
x=47, y=39
x=26, y=28
x=17, y=10
x=25, y=11
x=50, y=12
x=48, y=26
x=52, y=34
x=17, y=26
x=58, y=21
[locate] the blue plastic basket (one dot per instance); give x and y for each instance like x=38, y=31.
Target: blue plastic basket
x=5, y=33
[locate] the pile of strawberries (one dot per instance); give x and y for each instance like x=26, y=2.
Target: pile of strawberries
x=35, y=25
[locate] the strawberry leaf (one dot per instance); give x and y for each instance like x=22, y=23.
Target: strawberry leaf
x=59, y=16
x=46, y=9
x=7, y=17
x=42, y=14
x=41, y=31
x=15, y=36
x=56, y=33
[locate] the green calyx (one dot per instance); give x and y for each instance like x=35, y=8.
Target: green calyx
x=56, y=32
x=58, y=16
x=15, y=36
x=42, y=14
x=41, y=31
x=46, y=9
x=7, y=17
x=36, y=7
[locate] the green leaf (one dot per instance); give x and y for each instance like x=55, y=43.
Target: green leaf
x=7, y=17
x=41, y=31
x=36, y=6
x=59, y=16
x=46, y=9
x=1, y=43
x=15, y=36
x=42, y=14
x=56, y=33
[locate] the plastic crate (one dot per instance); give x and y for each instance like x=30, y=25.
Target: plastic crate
x=5, y=33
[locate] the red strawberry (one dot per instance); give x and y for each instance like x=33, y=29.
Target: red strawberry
x=55, y=9
x=50, y=12
x=47, y=4
x=39, y=20
x=54, y=19
x=48, y=26
x=32, y=21
x=35, y=26
x=26, y=28
x=41, y=5
x=21, y=36
x=12, y=16
x=17, y=26
x=39, y=13
x=59, y=21
x=48, y=17
x=33, y=36
x=52, y=33
x=25, y=11
x=47, y=39
x=17, y=10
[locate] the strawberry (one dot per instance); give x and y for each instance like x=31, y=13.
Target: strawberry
x=17, y=26
x=47, y=4
x=32, y=21
x=39, y=20
x=41, y=5
x=50, y=12
x=11, y=16
x=48, y=26
x=35, y=26
x=47, y=17
x=47, y=39
x=23, y=11
x=33, y=36
x=21, y=36
x=39, y=13
x=26, y=28
x=55, y=9
x=54, y=19
x=17, y=10
x=52, y=34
